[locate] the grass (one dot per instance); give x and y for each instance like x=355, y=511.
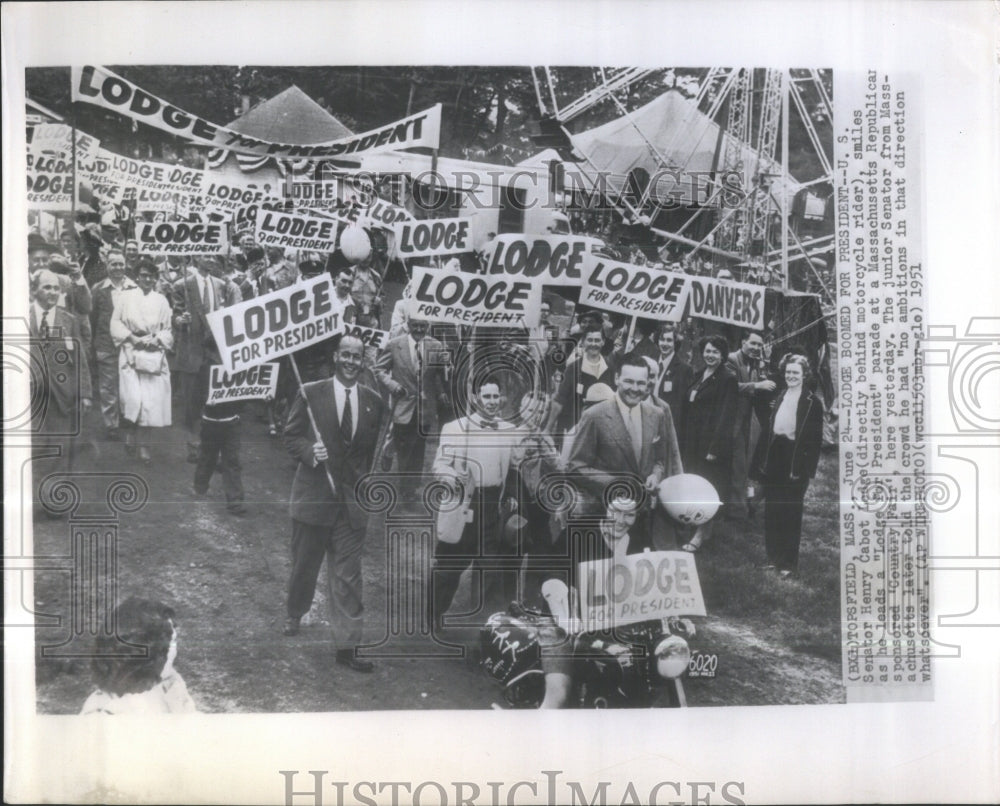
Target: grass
x=801, y=614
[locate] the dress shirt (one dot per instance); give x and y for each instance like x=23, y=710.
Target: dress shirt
x=489, y=456
x=207, y=292
x=41, y=314
x=633, y=424
x=416, y=353
x=595, y=368
x=340, y=397
x=784, y=418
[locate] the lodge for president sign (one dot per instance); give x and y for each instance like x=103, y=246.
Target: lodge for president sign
x=181, y=238
x=255, y=383
x=634, y=290
x=100, y=87
x=295, y=231
x=261, y=329
x=472, y=299
x=638, y=587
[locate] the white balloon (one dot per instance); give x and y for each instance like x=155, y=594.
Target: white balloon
x=689, y=499
x=355, y=244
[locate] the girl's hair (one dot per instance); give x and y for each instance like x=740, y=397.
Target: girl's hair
x=120, y=665
x=718, y=342
x=795, y=358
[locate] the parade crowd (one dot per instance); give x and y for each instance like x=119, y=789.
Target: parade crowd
x=488, y=419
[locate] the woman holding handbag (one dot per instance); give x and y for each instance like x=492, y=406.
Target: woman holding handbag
x=794, y=439
x=141, y=328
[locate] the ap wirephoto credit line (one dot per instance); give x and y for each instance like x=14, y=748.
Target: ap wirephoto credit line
x=507, y=390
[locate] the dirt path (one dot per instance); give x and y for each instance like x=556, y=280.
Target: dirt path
x=226, y=577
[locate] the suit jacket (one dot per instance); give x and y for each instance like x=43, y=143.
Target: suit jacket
x=396, y=363
x=750, y=399
x=65, y=376
x=312, y=501
x=194, y=344
x=573, y=390
x=708, y=418
x=602, y=448
x=808, y=434
x=100, y=317
x=673, y=386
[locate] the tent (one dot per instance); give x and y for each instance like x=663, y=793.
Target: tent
x=289, y=117
x=670, y=126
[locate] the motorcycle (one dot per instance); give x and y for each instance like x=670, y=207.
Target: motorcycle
x=639, y=665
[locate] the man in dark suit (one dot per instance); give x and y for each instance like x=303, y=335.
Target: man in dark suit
x=589, y=367
x=326, y=517
x=61, y=392
x=193, y=297
x=674, y=377
x=620, y=439
x=412, y=368
x=755, y=394
x=106, y=294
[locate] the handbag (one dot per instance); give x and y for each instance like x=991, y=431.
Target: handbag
x=148, y=361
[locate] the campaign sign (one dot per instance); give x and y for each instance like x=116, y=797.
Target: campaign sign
x=369, y=336
x=295, y=231
x=266, y=327
x=739, y=304
x=472, y=299
x=554, y=259
x=99, y=86
x=254, y=383
x=181, y=238
x=438, y=236
x=638, y=587
x=634, y=290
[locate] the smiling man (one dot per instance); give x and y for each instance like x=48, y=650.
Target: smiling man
x=623, y=441
x=473, y=459
x=327, y=520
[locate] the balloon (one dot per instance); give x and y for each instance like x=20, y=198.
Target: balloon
x=689, y=499
x=355, y=244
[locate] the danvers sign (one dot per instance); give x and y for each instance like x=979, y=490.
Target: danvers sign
x=101, y=87
x=734, y=303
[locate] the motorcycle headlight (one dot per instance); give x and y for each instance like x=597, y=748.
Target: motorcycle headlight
x=672, y=657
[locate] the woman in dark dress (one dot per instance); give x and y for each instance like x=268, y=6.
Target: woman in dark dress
x=706, y=435
x=794, y=439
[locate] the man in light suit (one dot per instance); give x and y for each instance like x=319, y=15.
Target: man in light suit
x=62, y=390
x=473, y=459
x=192, y=298
x=412, y=368
x=326, y=518
x=625, y=441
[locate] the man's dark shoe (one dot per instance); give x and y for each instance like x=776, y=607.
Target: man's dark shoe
x=345, y=657
x=291, y=626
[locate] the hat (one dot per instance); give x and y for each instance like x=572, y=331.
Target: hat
x=36, y=242
x=598, y=392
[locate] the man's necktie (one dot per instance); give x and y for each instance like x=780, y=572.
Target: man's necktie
x=347, y=418
x=491, y=424
x=635, y=431
x=43, y=327
x=206, y=296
